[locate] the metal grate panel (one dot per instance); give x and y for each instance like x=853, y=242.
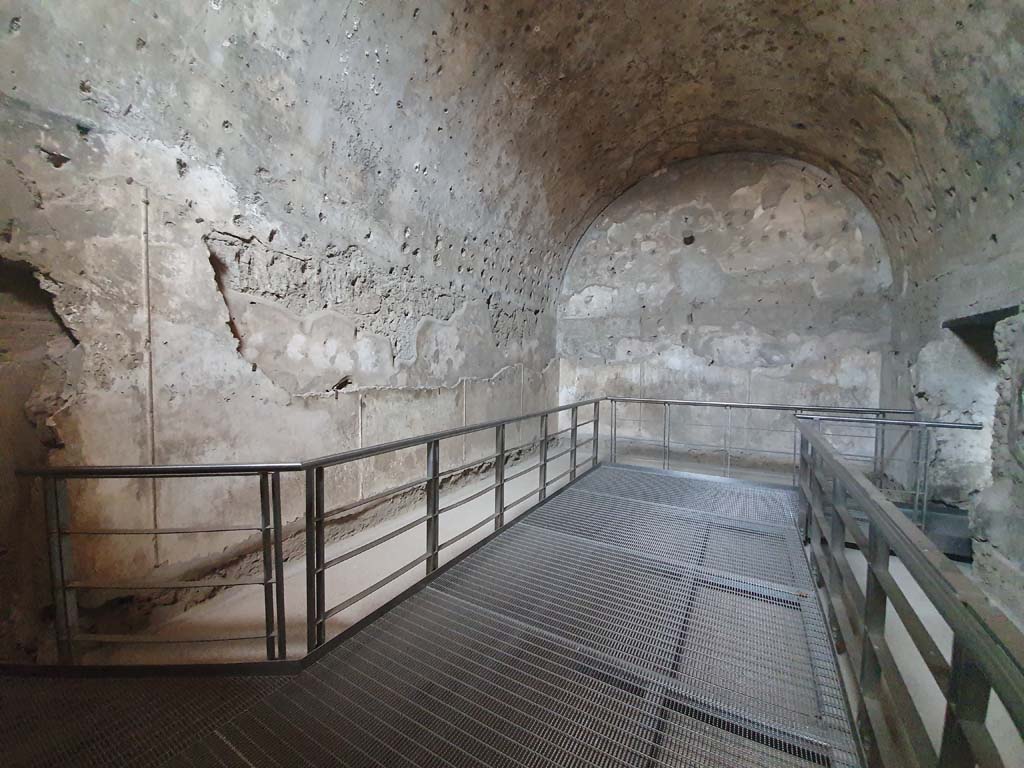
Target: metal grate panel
x=116, y=722
x=607, y=600
x=701, y=741
x=766, y=673
x=599, y=631
x=719, y=497
x=663, y=533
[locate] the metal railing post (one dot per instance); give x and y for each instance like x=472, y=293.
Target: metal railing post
x=728, y=429
x=499, y=476
x=876, y=461
x=597, y=434
x=572, y=443
x=268, y=568
x=311, y=575
x=881, y=454
x=321, y=575
x=796, y=448
x=614, y=434
x=804, y=486
x=543, y=463
x=275, y=506
x=924, y=490
x=58, y=568
x=664, y=441
x=919, y=473
x=433, y=503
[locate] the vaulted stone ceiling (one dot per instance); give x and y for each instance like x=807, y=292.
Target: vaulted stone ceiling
x=453, y=152
x=513, y=122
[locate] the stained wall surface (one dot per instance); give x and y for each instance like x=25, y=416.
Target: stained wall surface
x=999, y=513
x=247, y=212
x=737, y=278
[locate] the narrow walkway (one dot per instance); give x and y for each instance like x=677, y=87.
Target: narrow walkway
x=638, y=618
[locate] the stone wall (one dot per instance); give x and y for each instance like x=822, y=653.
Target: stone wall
x=743, y=278
x=37, y=357
x=267, y=243
x=998, y=518
x=244, y=212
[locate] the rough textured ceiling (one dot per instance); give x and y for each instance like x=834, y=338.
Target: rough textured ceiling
x=508, y=125
x=912, y=104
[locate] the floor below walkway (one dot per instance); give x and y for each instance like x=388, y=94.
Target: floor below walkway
x=637, y=618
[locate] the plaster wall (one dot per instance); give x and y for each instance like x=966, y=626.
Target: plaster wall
x=998, y=517
x=258, y=259
x=35, y=353
x=743, y=278
x=168, y=168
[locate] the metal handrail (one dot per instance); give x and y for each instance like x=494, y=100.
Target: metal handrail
x=334, y=459
x=318, y=612
x=726, y=449
x=988, y=649
x=760, y=406
x=318, y=513
x=892, y=422
x=344, y=457
x=271, y=529
x=412, y=442
x=114, y=471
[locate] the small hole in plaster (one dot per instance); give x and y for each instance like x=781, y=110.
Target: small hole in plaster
x=54, y=158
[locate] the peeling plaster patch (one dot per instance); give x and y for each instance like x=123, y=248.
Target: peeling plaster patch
x=31, y=293
x=307, y=354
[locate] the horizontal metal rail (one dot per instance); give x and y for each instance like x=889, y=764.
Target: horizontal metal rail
x=523, y=498
x=474, y=464
x=520, y=473
x=460, y=536
x=142, y=639
x=467, y=499
x=389, y=493
x=413, y=442
x=988, y=649
x=372, y=544
x=161, y=585
x=158, y=531
x=115, y=471
x=759, y=406
x=331, y=612
x=552, y=444
x=891, y=422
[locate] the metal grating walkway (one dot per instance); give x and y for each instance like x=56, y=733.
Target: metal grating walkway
x=638, y=618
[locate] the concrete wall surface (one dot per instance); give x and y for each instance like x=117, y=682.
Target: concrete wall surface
x=249, y=216
x=743, y=278
x=998, y=516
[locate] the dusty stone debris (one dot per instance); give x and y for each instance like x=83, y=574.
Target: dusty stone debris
x=271, y=230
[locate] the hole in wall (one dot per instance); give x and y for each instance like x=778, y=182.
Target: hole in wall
x=977, y=332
